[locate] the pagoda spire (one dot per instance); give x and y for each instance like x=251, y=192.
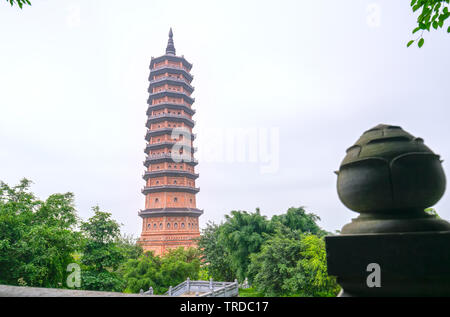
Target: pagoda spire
x=170, y=46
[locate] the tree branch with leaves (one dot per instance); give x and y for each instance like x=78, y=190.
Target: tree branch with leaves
x=433, y=15
x=20, y=3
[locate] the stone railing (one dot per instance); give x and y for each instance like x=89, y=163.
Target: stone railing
x=204, y=289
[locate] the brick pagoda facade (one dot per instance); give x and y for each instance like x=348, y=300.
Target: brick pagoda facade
x=170, y=218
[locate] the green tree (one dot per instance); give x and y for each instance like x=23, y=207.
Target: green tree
x=37, y=238
x=242, y=234
x=20, y=3
x=227, y=248
x=433, y=15
x=292, y=264
x=272, y=266
x=309, y=277
x=298, y=219
x=128, y=246
x=161, y=272
x=101, y=255
x=215, y=255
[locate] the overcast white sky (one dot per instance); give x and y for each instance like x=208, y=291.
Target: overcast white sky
x=74, y=79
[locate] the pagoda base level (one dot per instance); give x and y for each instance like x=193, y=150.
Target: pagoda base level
x=160, y=247
x=163, y=231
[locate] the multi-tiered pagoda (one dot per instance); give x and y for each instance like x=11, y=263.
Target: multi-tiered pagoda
x=170, y=218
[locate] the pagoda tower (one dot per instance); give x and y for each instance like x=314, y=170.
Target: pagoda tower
x=170, y=218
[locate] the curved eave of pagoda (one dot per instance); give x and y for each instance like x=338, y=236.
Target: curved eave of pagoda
x=172, y=58
x=169, y=117
x=171, y=70
x=182, y=212
x=168, y=93
x=170, y=188
x=170, y=80
x=166, y=158
x=169, y=105
x=162, y=131
x=171, y=173
x=167, y=145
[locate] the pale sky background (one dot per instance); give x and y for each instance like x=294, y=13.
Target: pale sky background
x=74, y=79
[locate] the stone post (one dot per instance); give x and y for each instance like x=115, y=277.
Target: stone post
x=394, y=247
x=170, y=290
x=211, y=287
x=188, y=284
x=150, y=291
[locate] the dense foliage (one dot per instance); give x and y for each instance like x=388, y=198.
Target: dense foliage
x=283, y=256
x=101, y=255
x=292, y=264
x=37, y=238
x=40, y=240
x=215, y=255
x=242, y=234
x=161, y=272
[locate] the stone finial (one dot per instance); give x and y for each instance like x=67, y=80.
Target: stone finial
x=388, y=175
x=170, y=49
x=394, y=247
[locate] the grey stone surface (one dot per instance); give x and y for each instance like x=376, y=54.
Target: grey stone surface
x=19, y=291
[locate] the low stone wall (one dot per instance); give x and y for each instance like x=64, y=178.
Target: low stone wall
x=19, y=291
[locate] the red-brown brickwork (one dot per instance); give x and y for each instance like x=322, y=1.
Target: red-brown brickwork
x=170, y=218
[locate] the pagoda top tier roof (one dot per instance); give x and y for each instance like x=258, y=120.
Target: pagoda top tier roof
x=172, y=58
x=171, y=54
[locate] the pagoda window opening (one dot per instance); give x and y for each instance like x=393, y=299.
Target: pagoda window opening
x=175, y=199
